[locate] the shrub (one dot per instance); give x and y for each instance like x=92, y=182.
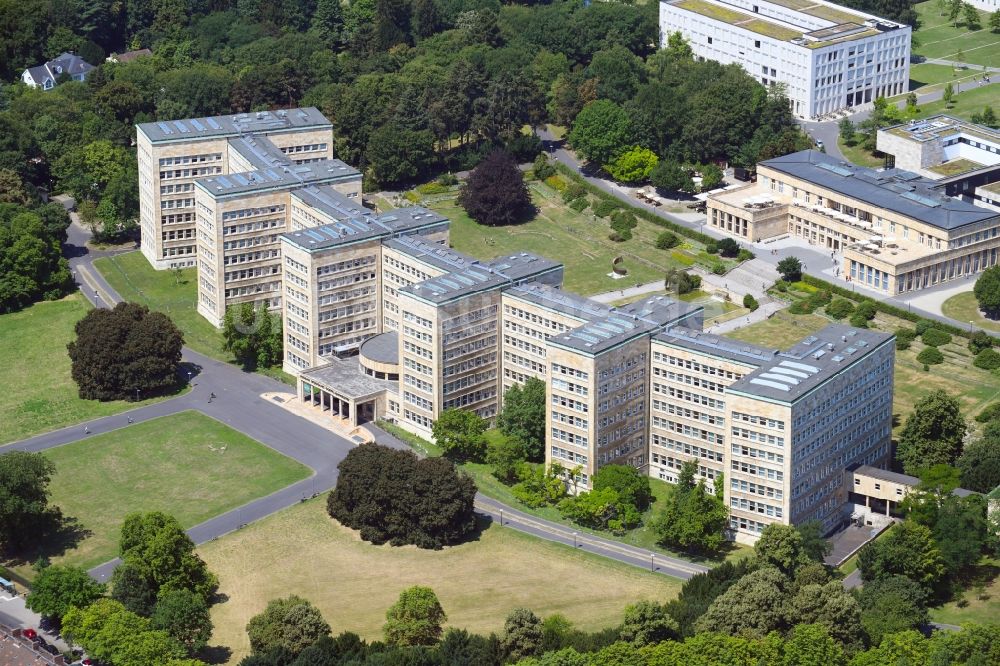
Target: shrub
x=667, y=240
x=988, y=359
x=840, y=308
x=719, y=269
x=711, y=247
x=930, y=356
x=573, y=191
x=605, y=207
x=858, y=321
x=907, y=334
x=620, y=237
x=866, y=309
x=820, y=298
x=447, y=179
x=923, y=325
x=750, y=302
x=432, y=188
x=579, y=205
x=802, y=307
x=781, y=286
x=623, y=219
x=989, y=413
x=542, y=169
x=728, y=247
x=980, y=341
x=935, y=337
x=557, y=183
x=744, y=254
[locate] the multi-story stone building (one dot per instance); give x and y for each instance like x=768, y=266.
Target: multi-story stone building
x=829, y=57
x=174, y=154
x=896, y=231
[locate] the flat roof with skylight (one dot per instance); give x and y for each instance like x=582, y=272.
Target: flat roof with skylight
x=215, y=127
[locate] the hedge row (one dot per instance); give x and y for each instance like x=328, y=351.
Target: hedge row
x=886, y=308
x=640, y=212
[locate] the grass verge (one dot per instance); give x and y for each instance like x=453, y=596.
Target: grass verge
x=35, y=367
x=302, y=551
x=166, y=464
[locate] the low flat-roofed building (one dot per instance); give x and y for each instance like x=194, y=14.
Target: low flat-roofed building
x=897, y=231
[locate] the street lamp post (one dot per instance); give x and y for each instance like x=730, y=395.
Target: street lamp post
x=574, y=539
x=137, y=394
x=971, y=327
x=652, y=567
x=501, y=517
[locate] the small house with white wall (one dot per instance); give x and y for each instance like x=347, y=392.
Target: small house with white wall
x=46, y=75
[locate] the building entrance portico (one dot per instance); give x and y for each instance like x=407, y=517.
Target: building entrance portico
x=344, y=392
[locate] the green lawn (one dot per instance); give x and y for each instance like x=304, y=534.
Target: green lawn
x=135, y=280
x=166, y=464
x=967, y=102
x=578, y=240
x=858, y=155
x=35, y=367
x=964, y=308
x=927, y=74
x=642, y=536
x=938, y=38
x=978, y=602
x=302, y=551
x=780, y=331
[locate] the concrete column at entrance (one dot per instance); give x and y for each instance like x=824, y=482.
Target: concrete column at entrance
x=887, y=503
x=868, y=502
x=347, y=411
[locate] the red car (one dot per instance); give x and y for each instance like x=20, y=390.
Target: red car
x=30, y=634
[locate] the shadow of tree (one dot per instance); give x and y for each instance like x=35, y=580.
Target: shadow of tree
x=52, y=536
x=215, y=654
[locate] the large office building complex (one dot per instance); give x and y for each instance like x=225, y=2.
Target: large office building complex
x=828, y=57
x=896, y=231
x=383, y=320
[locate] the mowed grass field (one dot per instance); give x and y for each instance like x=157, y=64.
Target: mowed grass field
x=938, y=37
x=578, y=240
x=164, y=464
x=302, y=551
x=967, y=102
x=35, y=371
x=964, y=307
x=176, y=296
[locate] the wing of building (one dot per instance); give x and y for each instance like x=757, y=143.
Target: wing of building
x=829, y=57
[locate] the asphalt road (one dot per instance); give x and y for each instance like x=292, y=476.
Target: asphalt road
x=238, y=404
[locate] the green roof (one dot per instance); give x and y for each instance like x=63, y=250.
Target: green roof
x=771, y=29
x=955, y=167
x=830, y=14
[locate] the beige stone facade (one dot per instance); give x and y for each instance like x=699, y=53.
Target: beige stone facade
x=895, y=231
x=173, y=155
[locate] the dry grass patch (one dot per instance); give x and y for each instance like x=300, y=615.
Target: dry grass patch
x=302, y=551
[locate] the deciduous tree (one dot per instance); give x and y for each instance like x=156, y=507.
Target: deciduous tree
x=522, y=635
x=932, y=434
x=523, y=416
x=669, y=175
x=121, y=351
x=253, y=335
x=790, y=269
x=980, y=464
x=891, y=605
x=460, y=433
x=692, y=518
x=415, y=619
x=908, y=549
x=184, y=615
x=291, y=623
x=632, y=166
x=987, y=291
x=601, y=131
x=755, y=605
x=156, y=544
x=57, y=588
x=24, y=496
x=495, y=193
x=647, y=623
x=631, y=485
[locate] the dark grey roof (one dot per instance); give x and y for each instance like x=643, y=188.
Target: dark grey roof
x=382, y=348
x=718, y=346
x=64, y=63
x=260, y=122
x=619, y=325
x=259, y=152
x=343, y=377
x=433, y=254
x=896, y=477
x=129, y=56
x=507, y=270
x=900, y=191
x=353, y=222
x=565, y=302
x=278, y=178
x=789, y=375
x=331, y=202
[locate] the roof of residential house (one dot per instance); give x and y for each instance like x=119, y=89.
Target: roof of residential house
x=64, y=63
x=896, y=190
x=259, y=122
x=129, y=56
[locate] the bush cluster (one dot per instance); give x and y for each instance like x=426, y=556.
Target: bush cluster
x=935, y=337
x=392, y=496
x=667, y=240
x=573, y=191
x=905, y=337
x=808, y=305
x=622, y=224
x=863, y=314
x=840, y=308
x=605, y=207
x=579, y=205
x=988, y=359
x=750, y=302
x=930, y=356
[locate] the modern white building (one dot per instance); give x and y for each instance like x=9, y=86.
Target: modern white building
x=985, y=5
x=827, y=56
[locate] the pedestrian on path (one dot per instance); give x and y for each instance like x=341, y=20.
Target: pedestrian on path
x=130, y=419
x=86, y=430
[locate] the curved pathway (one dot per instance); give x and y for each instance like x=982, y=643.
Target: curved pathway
x=238, y=404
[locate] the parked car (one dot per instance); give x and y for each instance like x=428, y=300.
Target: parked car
x=30, y=634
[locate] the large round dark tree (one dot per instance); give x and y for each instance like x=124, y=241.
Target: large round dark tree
x=123, y=352
x=495, y=193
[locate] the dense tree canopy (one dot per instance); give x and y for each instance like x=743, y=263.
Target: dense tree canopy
x=909, y=550
x=31, y=262
x=523, y=417
x=391, y=495
x=57, y=588
x=292, y=624
x=125, y=350
x=253, y=335
x=495, y=193
x=415, y=619
x=461, y=435
x=692, y=518
x=933, y=433
x=24, y=497
x=113, y=634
